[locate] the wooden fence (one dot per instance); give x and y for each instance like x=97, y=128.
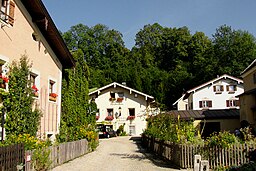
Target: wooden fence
x=11, y=156
x=183, y=155
x=62, y=153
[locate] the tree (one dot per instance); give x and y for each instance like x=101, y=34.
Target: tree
x=21, y=118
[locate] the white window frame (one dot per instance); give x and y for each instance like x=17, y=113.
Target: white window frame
x=4, y=12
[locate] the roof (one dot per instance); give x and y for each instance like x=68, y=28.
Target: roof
x=253, y=64
x=225, y=76
x=114, y=84
x=40, y=17
x=178, y=100
x=206, y=114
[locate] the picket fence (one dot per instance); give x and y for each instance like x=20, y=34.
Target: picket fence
x=183, y=155
x=61, y=153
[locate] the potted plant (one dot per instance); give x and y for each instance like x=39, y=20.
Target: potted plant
x=119, y=99
x=109, y=118
x=3, y=81
x=35, y=90
x=130, y=117
x=53, y=97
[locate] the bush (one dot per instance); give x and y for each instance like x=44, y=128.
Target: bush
x=222, y=139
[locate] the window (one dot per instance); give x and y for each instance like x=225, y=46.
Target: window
x=33, y=83
x=132, y=112
x=112, y=95
x=110, y=112
x=218, y=88
x=254, y=78
x=7, y=11
x=51, y=86
x=120, y=94
x=231, y=88
x=232, y=103
x=205, y=104
x=52, y=91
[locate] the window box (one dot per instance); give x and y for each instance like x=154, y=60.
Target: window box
x=109, y=118
x=130, y=117
x=53, y=97
x=35, y=91
x=120, y=99
x=112, y=99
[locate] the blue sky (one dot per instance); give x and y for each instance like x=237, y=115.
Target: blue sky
x=129, y=16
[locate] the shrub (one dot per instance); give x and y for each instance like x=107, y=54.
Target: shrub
x=222, y=139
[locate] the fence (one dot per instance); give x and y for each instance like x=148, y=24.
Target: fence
x=11, y=156
x=62, y=153
x=183, y=155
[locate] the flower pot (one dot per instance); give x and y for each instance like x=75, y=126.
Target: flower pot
x=52, y=98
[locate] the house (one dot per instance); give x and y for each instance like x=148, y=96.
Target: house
x=219, y=93
x=209, y=121
x=120, y=105
x=248, y=98
x=27, y=28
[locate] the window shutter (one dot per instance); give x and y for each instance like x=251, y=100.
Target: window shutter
x=214, y=88
x=227, y=102
x=221, y=88
x=11, y=13
x=237, y=103
x=200, y=104
x=227, y=87
x=210, y=103
x=235, y=88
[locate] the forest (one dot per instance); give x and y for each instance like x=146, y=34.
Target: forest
x=165, y=62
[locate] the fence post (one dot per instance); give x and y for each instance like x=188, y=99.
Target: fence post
x=204, y=165
x=197, y=160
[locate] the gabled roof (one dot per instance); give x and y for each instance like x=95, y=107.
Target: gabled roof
x=206, y=114
x=41, y=18
x=212, y=82
x=253, y=64
x=115, y=84
x=181, y=98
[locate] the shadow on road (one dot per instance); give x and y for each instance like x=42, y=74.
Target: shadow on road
x=157, y=160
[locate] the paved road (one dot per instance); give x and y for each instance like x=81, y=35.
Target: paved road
x=117, y=154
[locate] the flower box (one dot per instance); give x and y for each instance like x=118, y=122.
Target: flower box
x=130, y=117
x=109, y=118
x=36, y=94
x=112, y=99
x=120, y=99
x=53, y=97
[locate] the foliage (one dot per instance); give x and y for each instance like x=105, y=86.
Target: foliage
x=165, y=127
x=221, y=139
x=165, y=61
x=21, y=118
x=120, y=131
x=251, y=166
x=40, y=159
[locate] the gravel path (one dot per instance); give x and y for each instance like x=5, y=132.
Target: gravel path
x=117, y=154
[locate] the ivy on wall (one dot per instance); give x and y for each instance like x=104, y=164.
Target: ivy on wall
x=77, y=116
x=21, y=118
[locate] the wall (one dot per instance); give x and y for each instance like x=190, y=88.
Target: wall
x=17, y=40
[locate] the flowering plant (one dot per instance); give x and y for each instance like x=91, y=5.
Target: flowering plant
x=112, y=99
x=54, y=95
x=119, y=99
x=97, y=117
x=34, y=88
x=4, y=79
x=109, y=118
x=130, y=117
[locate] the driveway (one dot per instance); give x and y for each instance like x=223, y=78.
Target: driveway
x=117, y=154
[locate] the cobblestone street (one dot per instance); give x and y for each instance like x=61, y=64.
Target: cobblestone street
x=117, y=154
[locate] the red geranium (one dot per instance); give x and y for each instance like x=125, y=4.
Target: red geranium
x=54, y=95
x=109, y=118
x=130, y=117
x=5, y=79
x=34, y=88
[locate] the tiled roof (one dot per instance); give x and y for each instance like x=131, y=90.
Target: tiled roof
x=205, y=114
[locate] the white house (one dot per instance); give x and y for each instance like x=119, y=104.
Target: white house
x=120, y=105
x=219, y=93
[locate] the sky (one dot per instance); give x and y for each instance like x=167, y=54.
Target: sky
x=129, y=16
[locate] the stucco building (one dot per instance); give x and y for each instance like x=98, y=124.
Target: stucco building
x=120, y=105
x=27, y=29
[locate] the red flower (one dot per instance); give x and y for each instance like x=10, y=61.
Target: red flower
x=34, y=88
x=109, y=118
x=54, y=95
x=130, y=117
x=97, y=117
x=5, y=79
x=119, y=99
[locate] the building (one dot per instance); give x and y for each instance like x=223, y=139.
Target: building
x=219, y=93
x=27, y=29
x=120, y=105
x=248, y=98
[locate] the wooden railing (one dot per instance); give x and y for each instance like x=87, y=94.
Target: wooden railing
x=183, y=155
x=11, y=157
x=62, y=153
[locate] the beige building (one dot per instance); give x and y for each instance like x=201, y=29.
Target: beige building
x=248, y=98
x=120, y=105
x=27, y=29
